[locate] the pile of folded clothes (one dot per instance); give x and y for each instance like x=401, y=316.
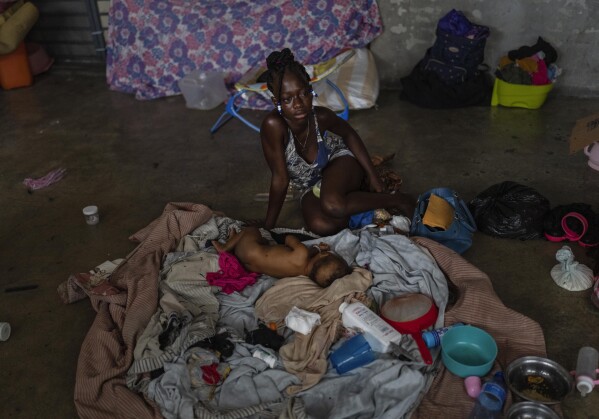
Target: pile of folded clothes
x=530, y=65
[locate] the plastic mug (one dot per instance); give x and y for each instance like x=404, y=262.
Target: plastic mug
x=91, y=215
x=354, y=353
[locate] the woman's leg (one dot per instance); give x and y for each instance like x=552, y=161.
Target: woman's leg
x=316, y=221
x=341, y=197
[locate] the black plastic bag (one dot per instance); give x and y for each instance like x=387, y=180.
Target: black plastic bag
x=427, y=90
x=510, y=210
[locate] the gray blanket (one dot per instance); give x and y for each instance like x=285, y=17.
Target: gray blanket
x=386, y=388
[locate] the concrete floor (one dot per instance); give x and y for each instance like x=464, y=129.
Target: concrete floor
x=130, y=158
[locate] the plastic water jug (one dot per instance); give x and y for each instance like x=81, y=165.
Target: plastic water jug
x=203, y=90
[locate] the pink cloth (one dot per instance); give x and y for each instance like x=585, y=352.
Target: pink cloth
x=540, y=77
x=232, y=275
x=47, y=180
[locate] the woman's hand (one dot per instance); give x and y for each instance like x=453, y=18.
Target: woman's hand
x=376, y=184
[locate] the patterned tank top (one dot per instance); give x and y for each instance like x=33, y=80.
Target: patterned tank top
x=303, y=175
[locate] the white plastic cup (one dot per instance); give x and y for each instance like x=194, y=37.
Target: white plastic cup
x=91, y=215
x=4, y=331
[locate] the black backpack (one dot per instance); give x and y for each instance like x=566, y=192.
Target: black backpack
x=452, y=73
x=454, y=59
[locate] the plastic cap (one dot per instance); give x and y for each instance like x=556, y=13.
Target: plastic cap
x=584, y=385
x=473, y=385
x=429, y=338
x=91, y=210
x=499, y=375
x=342, y=307
x=4, y=331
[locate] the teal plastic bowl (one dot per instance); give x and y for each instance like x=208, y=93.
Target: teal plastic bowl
x=467, y=351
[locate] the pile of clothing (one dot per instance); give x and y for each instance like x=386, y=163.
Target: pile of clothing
x=530, y=65
x=20, y=60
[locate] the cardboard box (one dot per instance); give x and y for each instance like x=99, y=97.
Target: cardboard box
x=585, y=132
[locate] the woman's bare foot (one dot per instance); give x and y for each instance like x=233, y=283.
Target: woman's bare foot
x=378, y=160
x=405, y=204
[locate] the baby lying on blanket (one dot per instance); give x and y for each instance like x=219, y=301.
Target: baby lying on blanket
x=293, y=258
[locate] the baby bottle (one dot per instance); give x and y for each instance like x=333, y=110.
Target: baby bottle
x=586, y=369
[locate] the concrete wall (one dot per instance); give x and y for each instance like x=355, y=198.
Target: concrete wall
x=65, y=29
x=570, y=26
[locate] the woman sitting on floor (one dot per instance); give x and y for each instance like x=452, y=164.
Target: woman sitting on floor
x=310, y=146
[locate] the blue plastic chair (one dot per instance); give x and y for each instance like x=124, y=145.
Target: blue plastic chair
x=232, y=110
x=321, y=71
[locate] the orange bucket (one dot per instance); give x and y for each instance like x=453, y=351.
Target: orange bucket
x=14, y=69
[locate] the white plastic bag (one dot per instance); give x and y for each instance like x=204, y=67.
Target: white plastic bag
x=358, y=79
x=203, y=90
x=569, y=274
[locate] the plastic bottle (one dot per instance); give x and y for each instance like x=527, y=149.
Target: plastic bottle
x=595, y=294
x=378, y=333
x=586, y=369
x=432, y=338
x=490, y=401
x=271, y=360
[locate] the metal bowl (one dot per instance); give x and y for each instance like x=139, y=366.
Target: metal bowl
x=538, y=380
x=530, y=410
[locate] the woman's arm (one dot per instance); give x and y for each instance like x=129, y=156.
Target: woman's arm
x=329, y=121
x=272, y=134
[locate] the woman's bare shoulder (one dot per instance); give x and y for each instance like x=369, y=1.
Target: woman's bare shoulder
x=329, y=121
x=273, y=126
x=325, y=116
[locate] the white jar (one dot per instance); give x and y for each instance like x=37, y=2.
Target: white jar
x=91, y=215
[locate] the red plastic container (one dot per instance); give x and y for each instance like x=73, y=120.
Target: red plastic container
x=411, y=314
x=14, y=69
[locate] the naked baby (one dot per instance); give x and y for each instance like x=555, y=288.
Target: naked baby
x=293, y=258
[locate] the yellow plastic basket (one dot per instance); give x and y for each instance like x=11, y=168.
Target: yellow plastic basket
x=519, y=95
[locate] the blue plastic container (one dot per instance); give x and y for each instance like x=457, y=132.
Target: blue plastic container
x=468, y=350
x=352, y=354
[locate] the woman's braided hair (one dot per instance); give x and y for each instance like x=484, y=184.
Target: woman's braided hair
x=277, y=63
